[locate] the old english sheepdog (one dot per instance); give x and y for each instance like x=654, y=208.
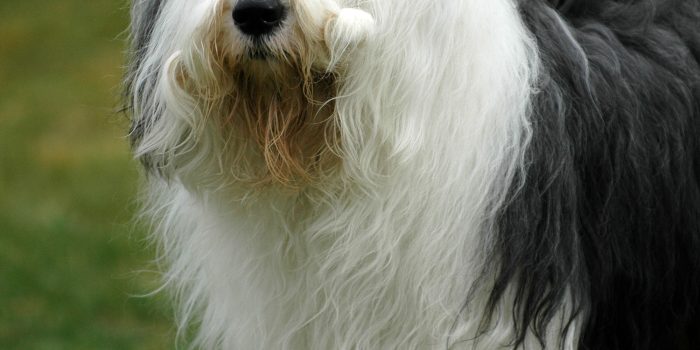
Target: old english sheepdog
x=423, y=174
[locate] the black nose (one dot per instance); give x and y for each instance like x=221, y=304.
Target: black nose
x=258, y=17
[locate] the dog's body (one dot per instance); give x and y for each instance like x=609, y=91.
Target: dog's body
x=424, y=175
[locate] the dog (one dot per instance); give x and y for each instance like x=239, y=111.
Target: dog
x=426, y=174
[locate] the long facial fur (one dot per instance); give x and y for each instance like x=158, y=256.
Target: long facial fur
x=271, y=112
x=443, y=188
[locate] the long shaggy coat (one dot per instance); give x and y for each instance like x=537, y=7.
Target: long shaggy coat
x=431, y=174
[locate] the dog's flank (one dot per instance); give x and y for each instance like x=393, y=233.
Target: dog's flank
x=451, y=174
x=611, y=197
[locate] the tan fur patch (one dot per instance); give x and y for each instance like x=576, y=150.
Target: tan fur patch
x=281, y=106
x=290, y=120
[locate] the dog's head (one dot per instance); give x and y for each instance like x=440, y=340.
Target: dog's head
x=250, y=81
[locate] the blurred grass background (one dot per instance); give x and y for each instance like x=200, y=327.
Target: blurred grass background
x=69, y=251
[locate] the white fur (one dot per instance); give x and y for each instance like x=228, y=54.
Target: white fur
x=433, y=118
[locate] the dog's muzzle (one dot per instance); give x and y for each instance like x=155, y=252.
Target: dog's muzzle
x=257, y=18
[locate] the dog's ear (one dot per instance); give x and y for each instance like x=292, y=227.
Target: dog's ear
x=144, y=14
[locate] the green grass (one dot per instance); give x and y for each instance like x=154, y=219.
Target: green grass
x=69, y=251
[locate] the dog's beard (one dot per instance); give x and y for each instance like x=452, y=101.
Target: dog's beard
x=282, y=93
x=274, y=100
x=286, y=111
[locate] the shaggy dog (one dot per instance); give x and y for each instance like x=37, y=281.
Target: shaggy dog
x=424, y=174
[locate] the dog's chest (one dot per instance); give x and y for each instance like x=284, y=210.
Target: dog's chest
x=292, y=273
